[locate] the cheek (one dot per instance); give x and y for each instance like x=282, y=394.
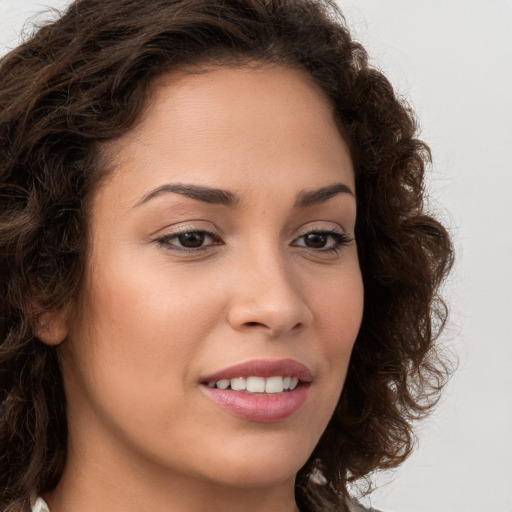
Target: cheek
x=339, y=302
x=339, y=312
x=149, y=303
x=132, y=356
x=142, y=330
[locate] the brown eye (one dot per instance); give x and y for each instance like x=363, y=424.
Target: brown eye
x=323, y=241
x=189, y=241
x=192, y=240
x=316, y=240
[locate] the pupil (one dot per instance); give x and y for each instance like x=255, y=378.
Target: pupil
x=191, y=240
x=316, y=240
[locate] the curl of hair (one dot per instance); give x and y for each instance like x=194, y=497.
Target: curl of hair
x=83, y=80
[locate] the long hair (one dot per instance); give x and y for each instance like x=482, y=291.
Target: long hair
x=83, y=80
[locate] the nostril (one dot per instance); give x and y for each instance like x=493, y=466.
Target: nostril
x=254, y=324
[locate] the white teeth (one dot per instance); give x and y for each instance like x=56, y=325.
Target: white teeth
x=274, y=385
x=254, y=384
x=223, y=384
x=238, y=384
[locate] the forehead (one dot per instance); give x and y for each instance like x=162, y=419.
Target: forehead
x=236, y=125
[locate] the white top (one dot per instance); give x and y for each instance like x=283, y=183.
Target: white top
x=40, y=506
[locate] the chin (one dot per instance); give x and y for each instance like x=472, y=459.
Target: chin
x=271, y=474
x=264, y=464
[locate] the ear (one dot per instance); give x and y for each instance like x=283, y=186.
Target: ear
x=51, y=327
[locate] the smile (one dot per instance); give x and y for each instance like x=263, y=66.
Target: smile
x=254, y=384
x=260, y=391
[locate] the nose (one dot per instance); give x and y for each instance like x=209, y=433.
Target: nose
x=267, y=297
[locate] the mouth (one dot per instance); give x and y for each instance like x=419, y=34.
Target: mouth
x=255, y=384
x=260, y=391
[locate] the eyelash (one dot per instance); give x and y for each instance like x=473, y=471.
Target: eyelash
x=165, y=240
x=340, y=240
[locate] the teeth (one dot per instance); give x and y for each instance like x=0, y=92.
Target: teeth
x=274, y=385
x=238, y=384
x=223, y=384
x=251, y=384
x=255, y=384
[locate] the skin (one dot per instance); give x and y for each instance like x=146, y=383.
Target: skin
x=152, y=319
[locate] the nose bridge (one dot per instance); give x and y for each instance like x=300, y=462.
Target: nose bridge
x=266, y=293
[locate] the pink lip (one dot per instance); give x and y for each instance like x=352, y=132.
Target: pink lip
x=259, y=407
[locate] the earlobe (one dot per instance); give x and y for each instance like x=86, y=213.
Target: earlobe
x=51, y=327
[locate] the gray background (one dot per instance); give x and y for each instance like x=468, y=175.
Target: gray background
x=453, y=60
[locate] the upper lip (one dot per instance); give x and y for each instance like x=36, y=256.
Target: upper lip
x=263, y=368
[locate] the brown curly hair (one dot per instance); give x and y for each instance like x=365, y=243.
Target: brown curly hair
x=83, y=80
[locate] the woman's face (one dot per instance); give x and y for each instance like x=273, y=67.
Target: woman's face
x=221, y=247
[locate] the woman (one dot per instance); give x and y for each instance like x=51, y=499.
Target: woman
x=194, y=317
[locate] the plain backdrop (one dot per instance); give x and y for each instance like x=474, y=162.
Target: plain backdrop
x=452, y=60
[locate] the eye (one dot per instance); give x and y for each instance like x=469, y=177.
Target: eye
x=189, y=240
x=323, y=240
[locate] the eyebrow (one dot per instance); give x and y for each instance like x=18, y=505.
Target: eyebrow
x=226, y=198
x=204, y=194
x=311, y=197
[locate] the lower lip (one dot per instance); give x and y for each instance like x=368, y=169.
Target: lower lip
x=259, y=407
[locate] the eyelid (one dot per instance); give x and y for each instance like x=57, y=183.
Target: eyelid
x=319, y=226
x=184, y=226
